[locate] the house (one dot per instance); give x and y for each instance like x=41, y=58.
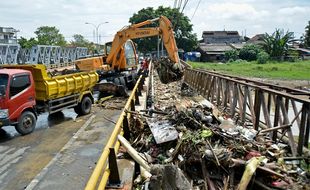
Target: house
x=215, y=37
x=215, y=43
x=304, y=53
x=213, y=52
x=8, y=35
x=258, y=39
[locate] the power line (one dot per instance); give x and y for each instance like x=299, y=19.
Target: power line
x=196, y=9
x=185, y=3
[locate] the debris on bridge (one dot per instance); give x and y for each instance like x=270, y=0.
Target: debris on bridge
x=186, y=133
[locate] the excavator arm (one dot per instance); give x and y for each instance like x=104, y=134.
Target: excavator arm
x=168, y=69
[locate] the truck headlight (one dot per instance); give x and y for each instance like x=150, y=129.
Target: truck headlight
x=4, y=113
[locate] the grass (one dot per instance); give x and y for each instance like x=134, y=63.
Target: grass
x=299, y=70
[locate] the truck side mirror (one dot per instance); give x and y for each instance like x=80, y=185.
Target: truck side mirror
x=2, y=90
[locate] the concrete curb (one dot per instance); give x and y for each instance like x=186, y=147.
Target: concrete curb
x=44, y=171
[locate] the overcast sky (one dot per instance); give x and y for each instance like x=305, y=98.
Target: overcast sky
x=69, y=16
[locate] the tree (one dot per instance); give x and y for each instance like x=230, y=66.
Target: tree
x=80, y=41
x=249, y=52
x=306, y=36
x=276, y=44
x=49, y=35
x=185, y=39
x=262, y=57
x=231, y=55
x=24, y=43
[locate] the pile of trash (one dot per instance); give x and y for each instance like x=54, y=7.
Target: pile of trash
x=188, y=144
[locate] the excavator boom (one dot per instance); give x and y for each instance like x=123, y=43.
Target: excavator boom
x=168, y=69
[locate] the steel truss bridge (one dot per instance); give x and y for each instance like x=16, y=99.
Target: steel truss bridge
x=40, y=54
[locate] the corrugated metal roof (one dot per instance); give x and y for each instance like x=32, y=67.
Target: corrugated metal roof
x=216, y=48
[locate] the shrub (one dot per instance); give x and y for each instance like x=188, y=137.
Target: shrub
x=249, y=52
x=240, y=61
x=262, y=57
x=231, y=55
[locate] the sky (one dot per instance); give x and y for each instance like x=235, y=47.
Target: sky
x=248, y=17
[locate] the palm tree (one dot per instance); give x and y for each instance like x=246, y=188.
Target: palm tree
x=276, y=45
x=306, y=36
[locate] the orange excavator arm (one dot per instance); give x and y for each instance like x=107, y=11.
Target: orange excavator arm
x=135, y=31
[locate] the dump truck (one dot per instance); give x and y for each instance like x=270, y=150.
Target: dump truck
x=28, y=90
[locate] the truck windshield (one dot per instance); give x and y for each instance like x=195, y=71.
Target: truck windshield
x=3, y=84
x=4, y=80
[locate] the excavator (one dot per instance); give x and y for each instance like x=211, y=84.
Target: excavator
x=119, y=64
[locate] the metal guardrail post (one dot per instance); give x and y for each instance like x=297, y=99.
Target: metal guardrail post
x=126, y=128
x=114, y=178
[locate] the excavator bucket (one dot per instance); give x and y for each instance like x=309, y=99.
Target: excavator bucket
x=168, y=71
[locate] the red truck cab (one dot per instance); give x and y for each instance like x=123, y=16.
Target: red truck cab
x=17, y=100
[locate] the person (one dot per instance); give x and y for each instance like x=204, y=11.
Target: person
x=145, y=64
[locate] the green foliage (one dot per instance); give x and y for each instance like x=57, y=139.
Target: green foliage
x=276, y=44
x=249, y=52
x=185, y=39
x=298, y=70
x=306, y=36
x=262, y=57
x=231, y=55
x=49, y=35
x=24, y=43
x=80, y=41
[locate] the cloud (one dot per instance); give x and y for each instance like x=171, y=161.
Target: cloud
x=253, y=16
x=70, y=15
x=236, y=11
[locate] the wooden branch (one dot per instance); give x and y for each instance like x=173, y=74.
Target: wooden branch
x=133, y=153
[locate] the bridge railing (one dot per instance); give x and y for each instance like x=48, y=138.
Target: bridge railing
x=106, y=168
x=272, y=109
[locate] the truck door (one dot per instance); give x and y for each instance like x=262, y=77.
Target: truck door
x=21, y=95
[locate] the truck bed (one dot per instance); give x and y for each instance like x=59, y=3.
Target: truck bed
x=49, y=88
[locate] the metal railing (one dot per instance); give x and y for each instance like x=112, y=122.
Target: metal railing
x=273, y=108
x=104, y=171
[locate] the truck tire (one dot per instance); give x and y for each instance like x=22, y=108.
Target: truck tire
x=117, y=81
x=26, y=123
x=85, y=105
x=77, y=109
x=122, y=81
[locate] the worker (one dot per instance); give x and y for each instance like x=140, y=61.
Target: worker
x=144, y=68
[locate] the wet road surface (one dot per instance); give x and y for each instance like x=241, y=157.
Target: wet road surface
x=22, y=157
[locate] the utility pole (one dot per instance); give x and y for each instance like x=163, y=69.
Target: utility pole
x=96, y=33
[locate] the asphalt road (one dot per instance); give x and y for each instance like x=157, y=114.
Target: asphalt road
x=22, y=158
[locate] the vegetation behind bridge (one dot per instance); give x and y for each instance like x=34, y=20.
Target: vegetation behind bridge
x=299, y=70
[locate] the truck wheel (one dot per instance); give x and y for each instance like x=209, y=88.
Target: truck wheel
x=85, y=105
x=26, y=123
x=77, y=109
x=117, y=81
x=122, y=81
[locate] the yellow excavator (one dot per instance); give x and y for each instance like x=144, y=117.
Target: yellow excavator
x=119, y=64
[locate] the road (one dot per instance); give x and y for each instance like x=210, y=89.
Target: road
x=23, y=157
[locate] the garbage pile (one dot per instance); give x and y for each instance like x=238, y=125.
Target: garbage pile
x=189, y=145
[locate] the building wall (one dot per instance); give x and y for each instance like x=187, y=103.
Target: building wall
x=8, y=35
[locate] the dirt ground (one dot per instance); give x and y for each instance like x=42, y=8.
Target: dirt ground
x=300, y=84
